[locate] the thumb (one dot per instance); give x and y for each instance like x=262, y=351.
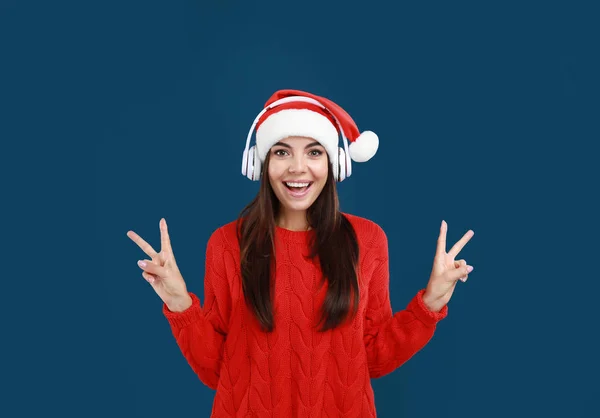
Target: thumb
x=462, y=264
x=458, y=273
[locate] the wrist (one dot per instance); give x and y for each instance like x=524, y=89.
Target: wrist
x=432, y=304
x=180, y=304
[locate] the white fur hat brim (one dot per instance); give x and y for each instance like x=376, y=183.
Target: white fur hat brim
x=296, y=122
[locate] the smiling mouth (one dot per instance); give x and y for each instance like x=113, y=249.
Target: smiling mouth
x=297, y=186
x=298, y=189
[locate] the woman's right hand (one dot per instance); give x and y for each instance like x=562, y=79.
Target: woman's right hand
x=162, y=272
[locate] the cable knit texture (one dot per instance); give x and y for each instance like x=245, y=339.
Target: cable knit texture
x=297, y=371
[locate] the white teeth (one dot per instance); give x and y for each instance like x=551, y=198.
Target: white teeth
x=297, y=184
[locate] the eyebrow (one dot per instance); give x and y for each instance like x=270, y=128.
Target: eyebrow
x=312, y=144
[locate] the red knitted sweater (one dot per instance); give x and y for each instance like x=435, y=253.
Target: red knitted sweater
x=296, y=371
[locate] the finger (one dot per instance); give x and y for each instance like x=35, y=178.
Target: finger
x=150, y=267
x=462, y=263
x=457, y=273
x=464, y=278
x=147, y=248
x=165, y=241
x=150, y=278
x=461, y=243
x=166, y=256
x=459, y=263
x=441, y=243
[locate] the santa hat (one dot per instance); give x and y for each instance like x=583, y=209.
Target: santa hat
x=298, y=113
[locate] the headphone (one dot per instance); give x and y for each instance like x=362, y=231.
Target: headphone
x=252, y=166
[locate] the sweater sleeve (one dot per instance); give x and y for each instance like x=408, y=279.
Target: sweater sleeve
x=200, y=332
x=392, y=339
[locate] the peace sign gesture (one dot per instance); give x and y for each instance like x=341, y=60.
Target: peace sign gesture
x=446, y=271
x=162, y=272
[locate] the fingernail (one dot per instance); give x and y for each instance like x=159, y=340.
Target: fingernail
x=469, y=268
x=142, y=263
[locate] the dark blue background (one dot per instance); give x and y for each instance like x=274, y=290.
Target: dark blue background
x=115, y=114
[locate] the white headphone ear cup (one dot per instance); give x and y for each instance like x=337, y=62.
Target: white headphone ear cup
x=254, y=166
x=245, y=163
x=334, y=166
x=257, y=166
x=250, y=170
x=341, y=164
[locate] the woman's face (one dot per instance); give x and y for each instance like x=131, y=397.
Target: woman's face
x=297, y=172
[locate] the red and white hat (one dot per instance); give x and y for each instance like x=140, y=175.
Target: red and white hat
x=298, y=113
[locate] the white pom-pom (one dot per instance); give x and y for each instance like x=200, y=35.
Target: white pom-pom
x=364, y=147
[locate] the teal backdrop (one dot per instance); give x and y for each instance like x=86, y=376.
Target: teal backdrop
x=117, y=113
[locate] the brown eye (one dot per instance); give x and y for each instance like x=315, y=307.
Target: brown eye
x=315, y=152
x=279, y=152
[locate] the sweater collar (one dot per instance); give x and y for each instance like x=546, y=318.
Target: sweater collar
x=287, y=235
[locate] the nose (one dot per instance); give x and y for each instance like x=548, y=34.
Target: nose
x=297, y=164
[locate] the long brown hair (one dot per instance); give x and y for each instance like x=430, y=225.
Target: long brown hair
x=334, y=243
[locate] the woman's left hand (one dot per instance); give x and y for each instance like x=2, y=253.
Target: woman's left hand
x=446, y=271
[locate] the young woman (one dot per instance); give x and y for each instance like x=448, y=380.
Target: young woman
x=297, y=317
